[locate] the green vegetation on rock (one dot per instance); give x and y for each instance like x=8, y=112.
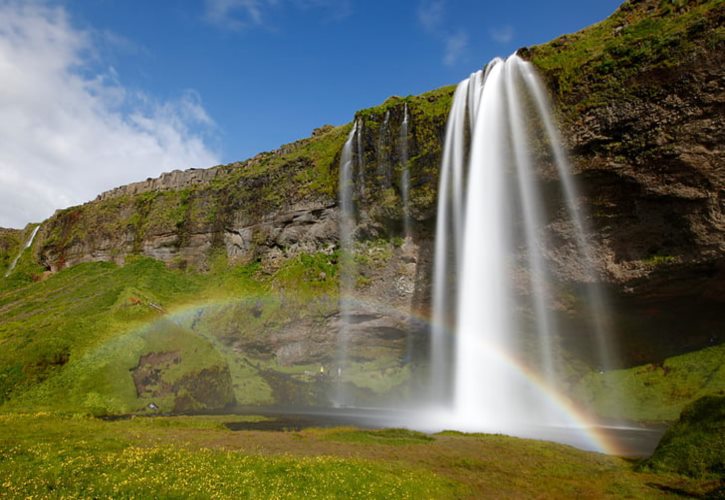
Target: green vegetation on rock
x=76, y=340
x=695, y=444
x=605, y=62
x=655, y=392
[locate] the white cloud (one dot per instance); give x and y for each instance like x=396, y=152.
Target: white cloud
x=502, y=34
x=235, y=15
x=431, y=14
x=66, y=132
x=455, y=47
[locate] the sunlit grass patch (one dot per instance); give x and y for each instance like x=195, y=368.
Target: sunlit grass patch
x=217, y=422
x=382, y=436
x=162, y=472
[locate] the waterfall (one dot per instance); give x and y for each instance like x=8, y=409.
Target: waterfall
x=405, y=173
x=484, y=367
x=383, y=156
x=27, y=245
x=445, y=268
x=360, y=159
x=347, y=263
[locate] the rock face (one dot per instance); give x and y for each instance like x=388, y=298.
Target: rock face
x=210, y=388
x=654, y=170
x=641, y=108
x=176, y=179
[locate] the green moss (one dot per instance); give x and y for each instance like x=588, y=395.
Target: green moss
x=655, y=392
x=394, y=437
x=695, y=444
x=46, y=456
x=381, y=376
x=601, y=63
x=661, y=260
x=308, y=274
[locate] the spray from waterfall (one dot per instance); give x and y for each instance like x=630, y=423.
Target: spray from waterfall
x=346, y=188
x=405, y=173
x=490, y=212
x=27, y=245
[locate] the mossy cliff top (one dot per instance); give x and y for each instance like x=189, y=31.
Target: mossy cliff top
x=638, y=45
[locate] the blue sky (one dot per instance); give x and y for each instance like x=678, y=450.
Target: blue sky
x=198, y=82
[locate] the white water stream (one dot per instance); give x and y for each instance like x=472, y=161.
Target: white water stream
x=27, y=245
x=485, y=372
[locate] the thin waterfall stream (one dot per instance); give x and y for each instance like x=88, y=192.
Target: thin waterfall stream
x=405, y=173
x=27, y=245
x=346, y=188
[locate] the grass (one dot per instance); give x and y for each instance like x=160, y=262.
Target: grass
x=171, y=472
x=73, y=341
x=695, y=444
x=655, y=392
x=52, y=456
x=70, y=341
x=10, y=243
x=48, y=456
x=394, y=437
x=602, y=63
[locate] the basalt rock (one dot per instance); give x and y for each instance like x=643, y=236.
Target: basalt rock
x=641, y=110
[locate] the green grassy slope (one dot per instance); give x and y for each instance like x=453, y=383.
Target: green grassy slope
x=608, y=61
x=10, y=241
x=695, y=444
x=655, y=392
x=68, y=342
x=50, y=456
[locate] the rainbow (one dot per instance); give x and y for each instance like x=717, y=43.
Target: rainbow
x=592, y=435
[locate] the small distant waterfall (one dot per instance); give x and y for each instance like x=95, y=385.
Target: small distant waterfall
x=483, y=367
x=27, y=245
x=346, y=186
x=360, y=158
x=405, y=173
x=383, y=152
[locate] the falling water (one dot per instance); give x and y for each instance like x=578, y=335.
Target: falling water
x=445, y=269
x=360, y=158
x=481, y=366
x=594, y=293
x=405, y=173
x=383, y=156
x=347, y=264
x=20, y=253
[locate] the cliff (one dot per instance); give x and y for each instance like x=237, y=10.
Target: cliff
x=639, y=99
